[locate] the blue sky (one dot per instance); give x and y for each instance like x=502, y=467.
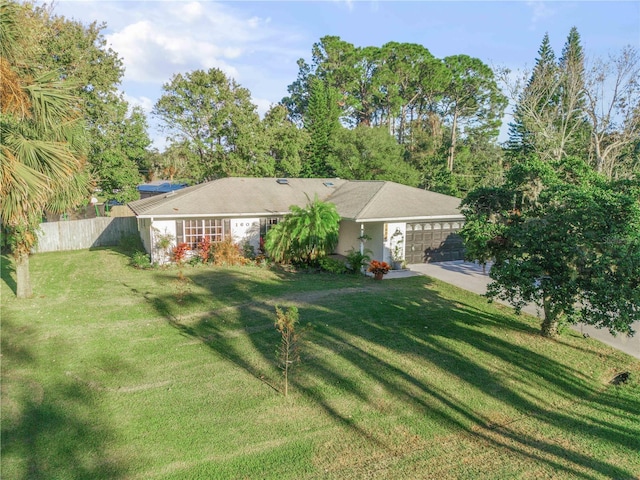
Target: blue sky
x=258, y=42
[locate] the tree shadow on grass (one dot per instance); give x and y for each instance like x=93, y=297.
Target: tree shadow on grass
x=369, y=330
x=8, y=272
x=53, y=430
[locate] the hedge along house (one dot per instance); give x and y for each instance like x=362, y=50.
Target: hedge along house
x=393, y=221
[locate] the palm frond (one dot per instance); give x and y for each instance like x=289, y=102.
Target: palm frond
x=22, y=189
x=53, y=100
x=53, y=159
x=13, y=99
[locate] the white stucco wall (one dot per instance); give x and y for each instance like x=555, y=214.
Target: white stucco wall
x=348, y=237
x=162, y=227
x=375, y=243
x=246, y=230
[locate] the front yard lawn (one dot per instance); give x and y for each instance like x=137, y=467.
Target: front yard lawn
x=114, y=373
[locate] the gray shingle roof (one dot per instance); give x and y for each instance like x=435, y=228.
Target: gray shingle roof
x=355, y=200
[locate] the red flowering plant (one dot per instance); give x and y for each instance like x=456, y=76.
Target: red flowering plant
x=204, y=249
x=377, y=267
x=180, y=253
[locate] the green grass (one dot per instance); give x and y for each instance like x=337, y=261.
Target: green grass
x=112, y=372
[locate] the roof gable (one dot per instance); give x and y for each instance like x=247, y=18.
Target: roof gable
x=388, y=200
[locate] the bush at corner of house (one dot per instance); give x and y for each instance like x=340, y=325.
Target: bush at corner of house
x=357, y=260
x=332, y=265
x=140, y=260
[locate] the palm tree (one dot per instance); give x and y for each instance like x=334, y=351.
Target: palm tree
x=41, y=142
x=306, y=234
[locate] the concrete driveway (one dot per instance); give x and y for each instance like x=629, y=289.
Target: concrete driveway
x=470, y=276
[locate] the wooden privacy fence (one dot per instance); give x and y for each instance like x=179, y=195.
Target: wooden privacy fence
x=81, y=234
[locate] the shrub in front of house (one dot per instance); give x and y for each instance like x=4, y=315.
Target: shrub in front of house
x=356, y=260
x=141, y=260
x=332, y=265
x=179, y=253
x=227, y=252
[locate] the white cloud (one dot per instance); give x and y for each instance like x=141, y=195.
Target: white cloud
x=143, y=102
x=163, y=38
x=540, y=11
x=263, y=105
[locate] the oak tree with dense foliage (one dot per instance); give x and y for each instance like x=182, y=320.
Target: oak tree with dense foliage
x=562, y=237
x=214, y=116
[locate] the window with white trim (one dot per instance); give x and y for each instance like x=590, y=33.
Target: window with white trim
x=194, y=230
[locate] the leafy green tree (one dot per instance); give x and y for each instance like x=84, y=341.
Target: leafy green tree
x=479, y=162
x=535, y=99
x=42, y=149
x=562, y=237
x=285, y=142
x=472, y=101
x=117, y=176
x=297, y=101
x=305, y=235
x=214, y=116
x=411, y=84
x=177, y=162
x=572, y=123
x=371, y=153
x=82, y=53
x=423, y=101
x=135, y=141
x=120, y=156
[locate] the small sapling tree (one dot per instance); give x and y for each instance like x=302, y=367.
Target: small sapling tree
x=287, y=353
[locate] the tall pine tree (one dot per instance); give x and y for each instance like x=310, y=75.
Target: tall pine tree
x=572, y=125
x=537, y=99
x=549, y=119
x=322, y=121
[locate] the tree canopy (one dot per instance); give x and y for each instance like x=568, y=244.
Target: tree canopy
x=213, y=116
x=429, y=106
x=562, y=237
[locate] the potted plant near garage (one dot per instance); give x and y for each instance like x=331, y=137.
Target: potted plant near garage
x=396, y=257
x=378, y=268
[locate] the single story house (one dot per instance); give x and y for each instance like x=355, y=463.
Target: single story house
x=393, y=221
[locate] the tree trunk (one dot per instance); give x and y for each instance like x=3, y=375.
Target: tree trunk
x=549, y=327
x=23, y=280
x=452, y=148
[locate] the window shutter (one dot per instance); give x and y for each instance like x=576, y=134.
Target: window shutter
x=263, y=227
x=179, y=231
x=226, y=228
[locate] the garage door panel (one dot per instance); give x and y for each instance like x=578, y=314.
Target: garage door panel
x=433, y=242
